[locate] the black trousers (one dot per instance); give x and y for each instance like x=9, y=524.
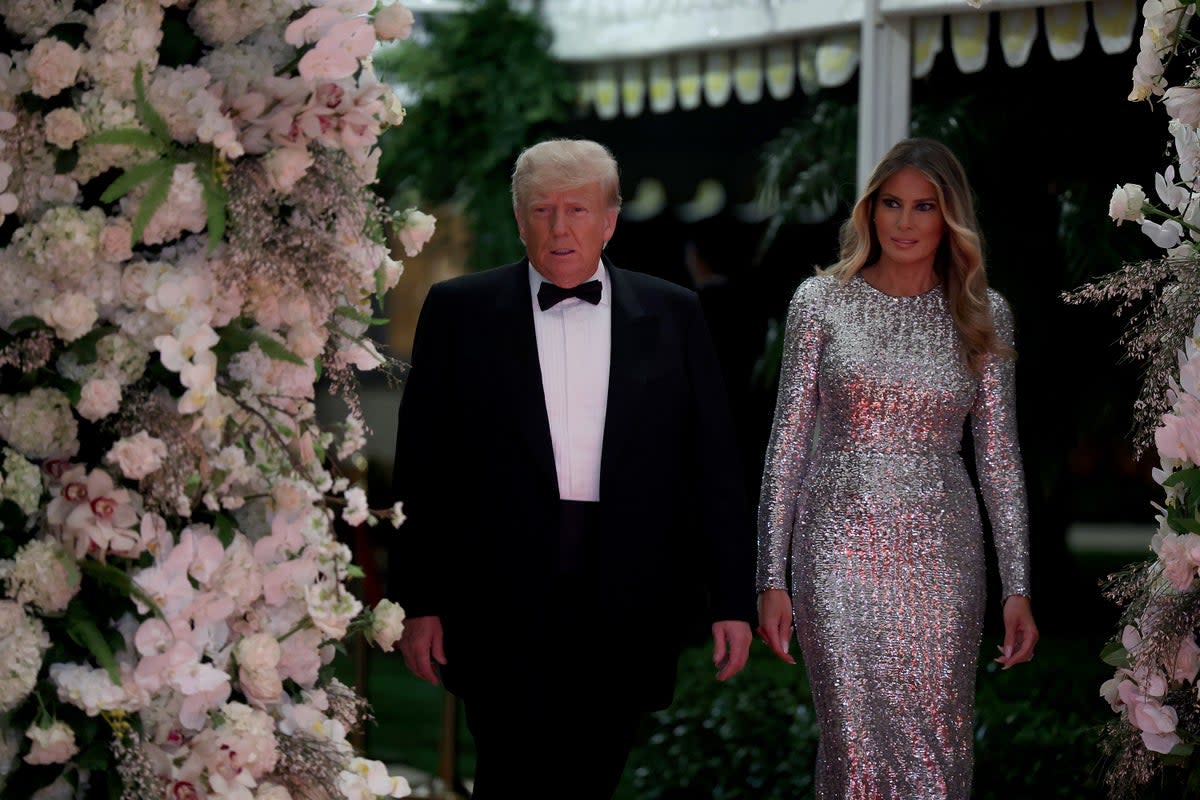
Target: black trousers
x=564, y=729
x=553, y=747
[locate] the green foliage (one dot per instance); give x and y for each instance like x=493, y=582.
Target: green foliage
x=485, y=87
x=158, y=173
x=807, y=171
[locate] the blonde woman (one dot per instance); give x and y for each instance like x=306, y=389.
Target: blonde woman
x=870, y=538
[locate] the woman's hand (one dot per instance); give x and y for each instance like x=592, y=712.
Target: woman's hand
x=1020, y=632
x=775, y=621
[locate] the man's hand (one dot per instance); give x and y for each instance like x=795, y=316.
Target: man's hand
x=731, y=647
x=775, y=622
x=421, y=645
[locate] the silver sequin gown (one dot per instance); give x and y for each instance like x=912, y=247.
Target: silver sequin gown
x=877, y=526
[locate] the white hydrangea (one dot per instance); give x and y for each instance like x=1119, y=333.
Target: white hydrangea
x=22, y=482
x=41, y=575
x=220, y=22
x=23, y=286
x=101, y=111
x=39, y=424
x=31, y=21
x=238, y=67
x=23, y=641
x=123, y=34
x=63, y=243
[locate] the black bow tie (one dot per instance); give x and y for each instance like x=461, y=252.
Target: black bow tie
x=549, y=293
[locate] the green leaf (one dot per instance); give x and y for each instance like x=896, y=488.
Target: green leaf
x=351, y=313
x=84, y=347
x=1190, y=478
x=215, y=201
x=1182, y=522
x=275, y=350
x=84, y=632
x=1115, y=655
x=120, y=580
x=380, y=283
x=237, y=339
x=136, y=174
x=146, y=113
x=354, y=571
x=156, y=195
x=225, y=529
x=22, y=324
x=1181, y=750
x=73, y=391
x=132, y=137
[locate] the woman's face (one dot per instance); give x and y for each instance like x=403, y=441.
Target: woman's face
x=908, y=220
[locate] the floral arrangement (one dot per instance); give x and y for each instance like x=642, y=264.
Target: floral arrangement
x=1156, y=655
x=189, y=247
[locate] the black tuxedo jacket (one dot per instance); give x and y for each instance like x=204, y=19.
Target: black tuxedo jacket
x=475, y=470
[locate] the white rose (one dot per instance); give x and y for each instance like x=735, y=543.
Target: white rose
x=138, y=455
x=52, y=65
x=64, y=127
x=394, y=22
x=1126, y=203
x=287, y=165
x=258, y=668
x=387, y=624
x=99, y=398
x=417, y=231
x=70, y=314
x=53, y=745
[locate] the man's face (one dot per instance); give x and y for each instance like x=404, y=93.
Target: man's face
x=564, y=231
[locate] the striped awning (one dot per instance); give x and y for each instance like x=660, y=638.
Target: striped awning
x=654, y=56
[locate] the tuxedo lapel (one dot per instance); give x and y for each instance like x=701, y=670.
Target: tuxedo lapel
x=518, y=349
x=632, y=341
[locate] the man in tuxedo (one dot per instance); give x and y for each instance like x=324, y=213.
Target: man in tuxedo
x=570, y=477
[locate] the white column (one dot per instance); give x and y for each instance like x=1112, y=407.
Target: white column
x=884, y=86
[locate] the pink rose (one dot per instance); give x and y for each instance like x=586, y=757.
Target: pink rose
x=64, y=127
x=394, y=22
x=287, y=165
x=52, y=745
x=417, y=231
x=116, y=240
x=52, y=65
x=137, y=456
x=99, y=398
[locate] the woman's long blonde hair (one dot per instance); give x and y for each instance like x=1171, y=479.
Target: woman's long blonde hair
x=958, y=262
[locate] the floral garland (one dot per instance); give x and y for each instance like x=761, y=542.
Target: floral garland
x=1156, y=654
x=189, y=246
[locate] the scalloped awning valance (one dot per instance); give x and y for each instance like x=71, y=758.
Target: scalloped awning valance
x=654, y=56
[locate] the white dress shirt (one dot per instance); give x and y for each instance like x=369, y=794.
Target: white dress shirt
x=574, y=341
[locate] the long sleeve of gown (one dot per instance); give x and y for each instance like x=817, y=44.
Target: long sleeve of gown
x=998, y=460
x=788, y=451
